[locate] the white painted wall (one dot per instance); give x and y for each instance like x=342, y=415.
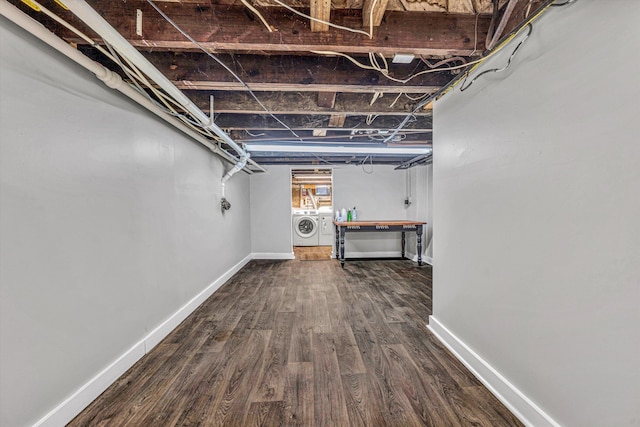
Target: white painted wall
x=376, y=195
x=537, y=208
x=377, y=192
x=421, y=190
x=271, y=228
x=109, y=223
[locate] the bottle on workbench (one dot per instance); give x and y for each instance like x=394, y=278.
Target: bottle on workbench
x=353, y=214
x=349, y=217
x=343, y=215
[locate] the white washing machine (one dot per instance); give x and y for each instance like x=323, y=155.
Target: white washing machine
x=305, y=228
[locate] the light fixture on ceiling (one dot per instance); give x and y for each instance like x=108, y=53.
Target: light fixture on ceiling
x=339, y=149
x=403, y=58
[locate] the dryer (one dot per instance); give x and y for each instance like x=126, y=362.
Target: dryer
x=326, y=229
x=305, y=228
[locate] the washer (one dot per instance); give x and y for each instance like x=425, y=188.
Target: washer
x=305, y=228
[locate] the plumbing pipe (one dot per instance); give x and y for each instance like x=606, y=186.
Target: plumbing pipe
x=98, y=24
x=241, y=164
x=108, y=77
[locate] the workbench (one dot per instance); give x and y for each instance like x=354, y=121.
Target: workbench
x=342, y=227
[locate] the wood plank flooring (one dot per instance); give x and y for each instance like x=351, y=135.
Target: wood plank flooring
x=293, y=343
x=312, y=253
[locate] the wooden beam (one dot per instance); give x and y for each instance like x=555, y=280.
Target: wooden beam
x=254, y=122
x=372, y=13
x=482, y=6
x=326, y=99
x=288, y=73
x=321, y=10
x=302, y=103
x=492, y=39
x=522, y=10
x=222, y=28
x=460, y=6
x=337, y=120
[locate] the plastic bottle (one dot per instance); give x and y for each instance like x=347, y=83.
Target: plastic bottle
x=353, y=214
x=349, y=217
x=343, y=215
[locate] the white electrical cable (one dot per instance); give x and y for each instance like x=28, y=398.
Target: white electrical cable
x=86, y=13
x=385, y=71
x=340, y=27
x=215, y=58
x=258, y=14
x=110, y=78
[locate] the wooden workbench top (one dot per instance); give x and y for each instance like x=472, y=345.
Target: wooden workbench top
x=377, y=222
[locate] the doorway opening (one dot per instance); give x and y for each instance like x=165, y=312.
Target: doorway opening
x=312, y=213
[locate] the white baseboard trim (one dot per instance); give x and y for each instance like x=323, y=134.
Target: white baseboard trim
x=425, y=259
x=273, y=255
x=81, y=398
x=379, y=254
x=519, y=404
x=162, y=330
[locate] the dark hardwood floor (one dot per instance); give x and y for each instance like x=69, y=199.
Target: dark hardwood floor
x=293, y=343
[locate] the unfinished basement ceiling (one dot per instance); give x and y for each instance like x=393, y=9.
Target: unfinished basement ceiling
x=318, y=105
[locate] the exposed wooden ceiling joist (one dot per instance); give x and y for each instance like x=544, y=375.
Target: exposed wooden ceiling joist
x=321, y=11
x=322, y=97
x=304, y=103
x=290, y=73
x=221, y=28
x=373, y=12
x=320, y=121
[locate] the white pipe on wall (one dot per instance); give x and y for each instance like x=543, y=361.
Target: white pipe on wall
x=241, y=164
x=109, y=78
x=98, y=24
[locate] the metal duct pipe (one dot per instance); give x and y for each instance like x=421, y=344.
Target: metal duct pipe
x=98, y=24
x=109, y=78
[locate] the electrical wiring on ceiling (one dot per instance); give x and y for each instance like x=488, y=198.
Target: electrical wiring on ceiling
x=568, y=2
x=444, y=61
x=363, y=163
x=259, y=15
x=215, y=58
x=162, y=100
x=340, y=27
x=370, y=118
x=466, y=86
x=454, y=82
x=135, y=76
x=384, y=69
x=407, y=96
